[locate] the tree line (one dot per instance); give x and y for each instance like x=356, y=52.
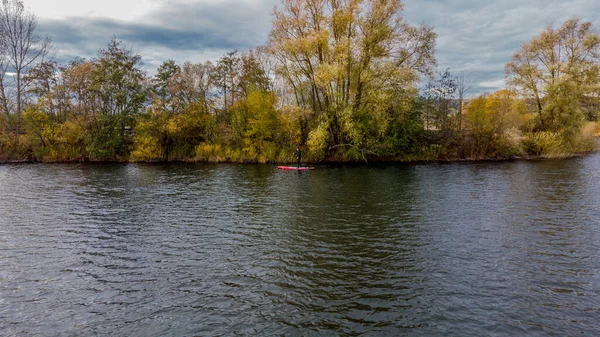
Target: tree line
x=346, y=80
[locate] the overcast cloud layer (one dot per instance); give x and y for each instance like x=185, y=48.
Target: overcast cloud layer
x=474, y=36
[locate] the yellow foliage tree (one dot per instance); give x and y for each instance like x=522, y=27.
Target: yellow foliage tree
x=344, y=59
x=558, y=70
x=492, y=122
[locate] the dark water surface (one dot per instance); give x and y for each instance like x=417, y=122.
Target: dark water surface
x=487, y=249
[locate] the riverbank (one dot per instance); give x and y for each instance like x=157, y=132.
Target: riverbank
x=515, y=145
x=375, y=160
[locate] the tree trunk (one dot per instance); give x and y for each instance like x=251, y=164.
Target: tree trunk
x=18, y=112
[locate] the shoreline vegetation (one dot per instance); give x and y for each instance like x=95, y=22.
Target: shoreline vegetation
x=346, y=81
x=325, y=162
x=375, y=160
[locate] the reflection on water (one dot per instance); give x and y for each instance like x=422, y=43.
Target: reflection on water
x=434, y=250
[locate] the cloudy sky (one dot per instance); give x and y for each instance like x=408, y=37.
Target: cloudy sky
x=474, y=36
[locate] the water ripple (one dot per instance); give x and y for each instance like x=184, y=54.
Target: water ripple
x=206, y=250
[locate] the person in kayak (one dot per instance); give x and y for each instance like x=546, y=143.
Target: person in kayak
x=298, y=155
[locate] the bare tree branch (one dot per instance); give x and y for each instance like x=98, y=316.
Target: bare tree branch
x=21, y=48
x=464, y=83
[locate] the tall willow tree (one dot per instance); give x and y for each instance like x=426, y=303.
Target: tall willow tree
x=346, y=60
x=558, y=70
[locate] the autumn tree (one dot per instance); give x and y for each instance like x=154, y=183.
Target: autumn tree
x=21, y=48
x=118, y=80
x=255, y=98
x=78, y=77
x=226, y=76
x=118, y=86
x=558, y=70
x=47, y=86
x=161, y=85
x=194, y=83
x=253, y=76
x=492, y=121
x=343, y=59
x=443, y=93
x=464, y=84
x=180, y=115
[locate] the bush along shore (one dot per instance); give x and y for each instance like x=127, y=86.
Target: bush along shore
x=371, y=94
x=513, y=145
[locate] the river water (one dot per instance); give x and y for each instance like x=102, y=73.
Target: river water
x=479, y=249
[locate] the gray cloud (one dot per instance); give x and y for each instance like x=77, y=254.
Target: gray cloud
x=246, y=23
x=86, y=32
x=474, y=36
x=479, y=37
x=177, y=31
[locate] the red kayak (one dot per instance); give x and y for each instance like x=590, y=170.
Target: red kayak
x=295, y=168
